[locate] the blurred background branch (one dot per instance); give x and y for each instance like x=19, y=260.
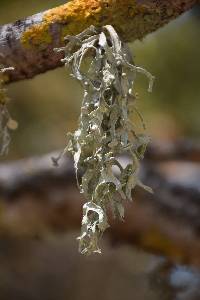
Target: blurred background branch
x=39, y=199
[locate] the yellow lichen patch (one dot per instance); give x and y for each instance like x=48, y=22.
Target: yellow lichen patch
x=36, y=35
x=132, y=19
x=77, y=15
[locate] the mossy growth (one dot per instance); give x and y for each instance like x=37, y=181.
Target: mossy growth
x=105, y=68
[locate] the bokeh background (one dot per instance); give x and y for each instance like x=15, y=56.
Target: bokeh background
x=47, y=107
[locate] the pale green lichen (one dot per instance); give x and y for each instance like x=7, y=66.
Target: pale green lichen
x=105, y=131
x=6, y=122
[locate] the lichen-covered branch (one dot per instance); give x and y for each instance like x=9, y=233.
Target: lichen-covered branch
x=28, y=44
x=37, y=199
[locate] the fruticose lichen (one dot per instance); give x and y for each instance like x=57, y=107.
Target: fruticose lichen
x=105, y=130
x=6, y=122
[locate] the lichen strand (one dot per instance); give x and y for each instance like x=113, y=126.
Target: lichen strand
x=105, y=132
x=131, y=18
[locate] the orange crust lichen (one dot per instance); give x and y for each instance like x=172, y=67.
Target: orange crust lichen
x=131, y=18
x=77, y=15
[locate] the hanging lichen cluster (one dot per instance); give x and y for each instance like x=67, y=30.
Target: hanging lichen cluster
x=105, y=131
x=6, y=122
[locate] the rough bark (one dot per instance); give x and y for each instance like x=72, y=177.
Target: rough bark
x=28, y=44
x=37, y=198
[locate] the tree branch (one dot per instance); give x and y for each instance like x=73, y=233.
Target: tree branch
x=186, y=150
x=28, y=44
x=37, y=198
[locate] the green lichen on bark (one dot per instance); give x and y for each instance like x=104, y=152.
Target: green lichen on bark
x=6, y=122
x=105, y=130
